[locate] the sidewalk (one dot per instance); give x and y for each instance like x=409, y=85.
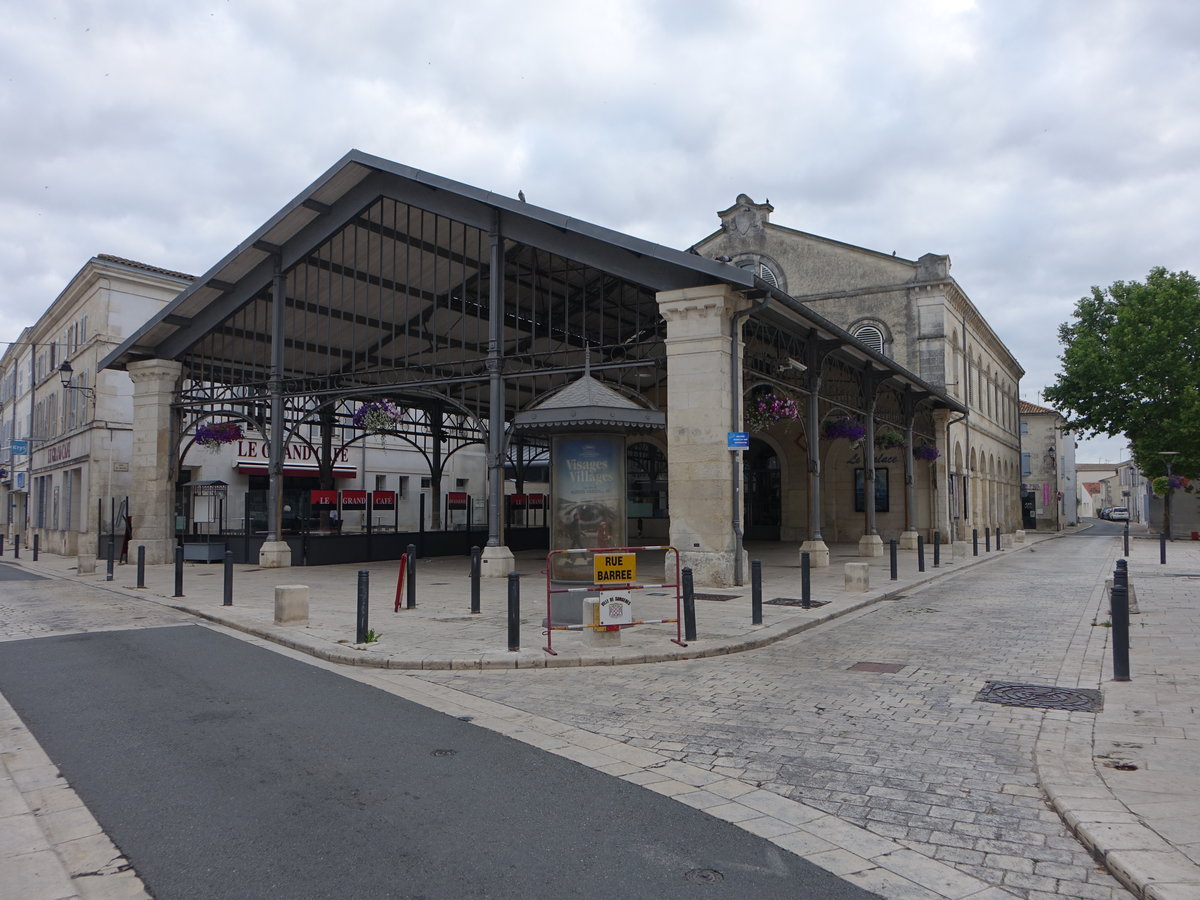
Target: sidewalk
x=1144, y=823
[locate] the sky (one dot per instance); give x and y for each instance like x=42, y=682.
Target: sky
x=1045, y=146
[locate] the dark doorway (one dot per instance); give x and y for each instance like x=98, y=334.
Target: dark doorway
x=1028, y=511
x=763, y=507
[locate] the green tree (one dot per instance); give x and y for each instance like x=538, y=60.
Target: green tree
x=1131, y=366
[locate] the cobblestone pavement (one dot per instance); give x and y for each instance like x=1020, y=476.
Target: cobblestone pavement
x=909, y=755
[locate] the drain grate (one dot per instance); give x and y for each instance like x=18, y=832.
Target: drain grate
x=703, y=876
x=1041, y=696
x=792, y=601
x=890, y=668
x=717, y=597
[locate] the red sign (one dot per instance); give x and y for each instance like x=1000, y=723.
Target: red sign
x=456, y=500
x=383, y=499
x=354, y=499
x=516, y=500
x=323, y=498
x=537, y=501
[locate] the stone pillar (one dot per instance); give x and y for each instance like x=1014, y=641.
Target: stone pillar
x=152, y=504
x=698, y=413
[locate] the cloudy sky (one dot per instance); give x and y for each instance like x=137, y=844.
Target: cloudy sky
x=1046, y=146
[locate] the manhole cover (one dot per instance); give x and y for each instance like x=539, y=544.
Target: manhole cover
x=891, y=668
x=718, y=597
x=1041, y=696
x=792, y=601
x=703, y=876
x=442, y=752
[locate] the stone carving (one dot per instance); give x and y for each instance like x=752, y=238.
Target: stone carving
x=745, y=217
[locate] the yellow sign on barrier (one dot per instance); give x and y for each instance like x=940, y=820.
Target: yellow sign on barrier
x=615, y=568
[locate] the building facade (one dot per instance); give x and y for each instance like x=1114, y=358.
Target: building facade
x=915, y=313
x=1049, y=481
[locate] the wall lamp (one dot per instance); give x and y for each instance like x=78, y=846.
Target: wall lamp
x=65, y=373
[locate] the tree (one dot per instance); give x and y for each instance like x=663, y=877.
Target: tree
x=1131, y=365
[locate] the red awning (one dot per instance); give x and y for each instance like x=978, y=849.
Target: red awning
x=260, y=468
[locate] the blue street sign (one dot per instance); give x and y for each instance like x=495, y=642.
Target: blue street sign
x=20, y=448
x=739, y=440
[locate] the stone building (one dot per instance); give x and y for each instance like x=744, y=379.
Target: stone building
x=66, y=433
x=915, y=313
x=1049, y=480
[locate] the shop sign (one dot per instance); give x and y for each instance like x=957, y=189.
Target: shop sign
x=536, y=501
x=383, y=499
x=247, y=450
x=354, y=499
x=58, y=452
x=516, y=501
x=456, y=500
x=323, y=498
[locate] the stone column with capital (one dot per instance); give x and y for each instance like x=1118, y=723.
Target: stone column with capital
x=699, y=368
x=152, y=505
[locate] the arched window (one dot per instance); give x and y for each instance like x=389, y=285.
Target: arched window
x=871, y=336
x=764, y=267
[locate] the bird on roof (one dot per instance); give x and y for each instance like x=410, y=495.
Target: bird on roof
x=521, y=196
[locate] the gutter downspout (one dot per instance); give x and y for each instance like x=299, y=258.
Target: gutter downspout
x=735, y=415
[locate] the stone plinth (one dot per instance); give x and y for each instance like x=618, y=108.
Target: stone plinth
x=961, y=549
x=86, y=564
x=1019, y=537
x=597, y=637
x=274, y=555
x=870, y=545
x=291, y=604
x=858, y=577
x=908, y=540
x=496, y=562
x=818, y=554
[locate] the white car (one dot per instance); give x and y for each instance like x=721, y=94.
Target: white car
x=1118, y=514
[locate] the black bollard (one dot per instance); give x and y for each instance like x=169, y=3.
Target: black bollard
x=892, y=552
x=1122, y=573
x=364, y=602
x=475, y=566
x=16, y=546
x=920, y=553
x=178, y=572
x=937, y=549
x=974, y=541
x=411, y=601
x=1162, y=549
x=514, y=612
x=108, y=570
x=1, y=545
x=756, y=592
x=227, y=599
x=805, y=581
x=36, y=544
x=1120, y=628
x=1126, y=541
x=998, y=547
x=689, y=606
x=141, y=566
x=987, y=540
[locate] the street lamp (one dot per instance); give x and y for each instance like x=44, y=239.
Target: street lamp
x=65, y=373
x=1169, y=458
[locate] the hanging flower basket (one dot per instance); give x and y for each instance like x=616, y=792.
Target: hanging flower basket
x=766, y=410
x=926, y=451
x=377, y=416
x=1163, y=483
x=845, y=427
x=215, y=436
x=888, y=438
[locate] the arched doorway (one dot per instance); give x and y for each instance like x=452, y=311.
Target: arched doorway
x=763, y=509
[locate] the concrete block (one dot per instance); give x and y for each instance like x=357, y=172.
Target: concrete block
x=858, y=576
x=597, y=637
x=291, y=604
x=961, y=549
x=1019, y=536
x=87, y=564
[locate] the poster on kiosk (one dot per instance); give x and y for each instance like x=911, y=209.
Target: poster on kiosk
x=587, y=491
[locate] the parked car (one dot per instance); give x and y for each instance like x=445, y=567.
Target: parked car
x=1104, y=512
x=1118, y=514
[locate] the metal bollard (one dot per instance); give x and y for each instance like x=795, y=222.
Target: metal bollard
x=36, y=543
x=178, y=572
x=16, y=546
x=108, y=565
x=475, y=566
x=227, y=599
x=364, y=599
x=689, y=605
x=141, y=566
x=514, y=612
x=1126, y=541
x=1162, y=549
x=998, y=547
x=892, y=552
x=987, y=540
x=805, y=581
x=974, y=541
x=1120, y=628
x=937, y=549
x=920, y=553
x=1122, y=573
x=756, y=592
x=411, y=601
x=1, y=545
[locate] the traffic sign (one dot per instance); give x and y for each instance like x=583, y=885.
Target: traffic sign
x=739, y=440
x=615, y=568
x=20, y=448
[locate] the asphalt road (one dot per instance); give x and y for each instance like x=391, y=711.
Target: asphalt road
x=225, y=770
